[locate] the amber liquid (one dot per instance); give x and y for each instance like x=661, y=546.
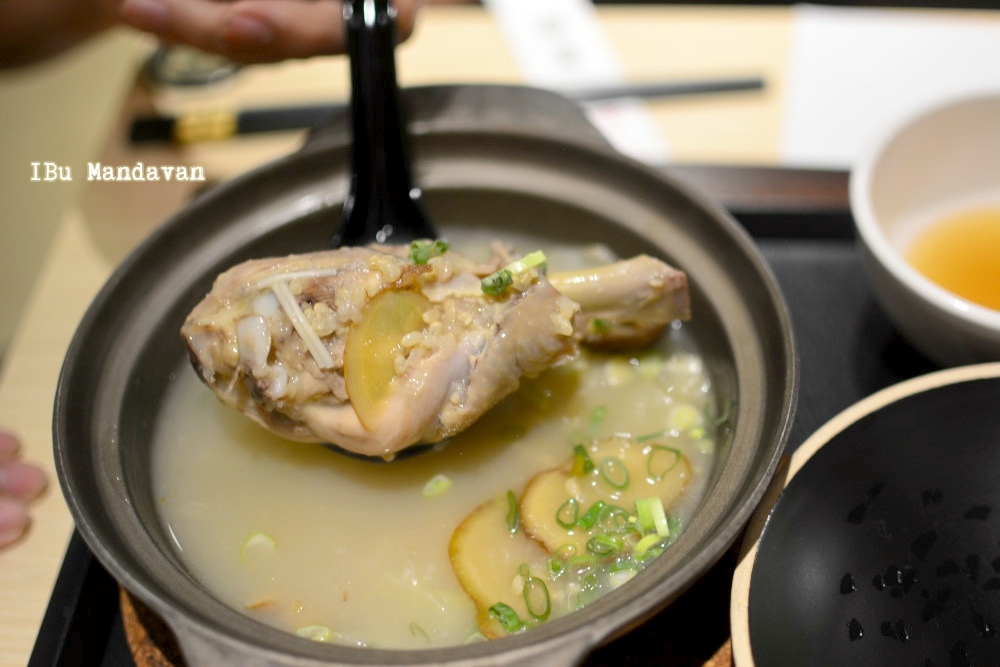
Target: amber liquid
x=961, y=253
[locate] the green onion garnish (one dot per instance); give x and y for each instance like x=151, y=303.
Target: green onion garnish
x=661, y=460
x=565, y=552
x=436, y=486
x=591, y=516
x=683, y=416
x=716, y=419
x=568, y=513
x=513, y=512
x=599, y=326
x=257, y=543
x=582, y=464
x=418, y=631
x=536, y=598
x=615, y=520
x=614, y=472
x=645, y=545
x=581, y=562
x=317, y=633
x=623, y=564
x=497, y=282
x=604, y=545
x=532, y=260
x=652, y=518
x=422, y=251
x=507, y=617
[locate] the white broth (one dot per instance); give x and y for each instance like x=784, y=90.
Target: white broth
x=339, y=549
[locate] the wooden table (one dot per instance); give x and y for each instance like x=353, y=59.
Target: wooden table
x=85, y=228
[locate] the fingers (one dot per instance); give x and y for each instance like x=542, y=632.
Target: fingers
x=10, y=446
x=20, y=483
x=253, y=31
x=14, y=521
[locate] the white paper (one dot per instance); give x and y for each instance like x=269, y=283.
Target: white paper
x=855, y=73
x=560, y=44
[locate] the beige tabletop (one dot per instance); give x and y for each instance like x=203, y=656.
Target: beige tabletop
x=68, y=236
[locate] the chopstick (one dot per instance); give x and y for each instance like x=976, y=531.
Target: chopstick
x=199, y=126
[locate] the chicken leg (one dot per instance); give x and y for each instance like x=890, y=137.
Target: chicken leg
x=375, y=349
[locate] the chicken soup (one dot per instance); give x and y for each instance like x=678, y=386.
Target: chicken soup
x=561, y=492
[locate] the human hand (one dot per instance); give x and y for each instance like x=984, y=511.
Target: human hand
x=20, y=483
x=254, y=31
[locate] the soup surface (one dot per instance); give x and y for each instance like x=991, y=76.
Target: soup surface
x=339, y=549
x=961, y=253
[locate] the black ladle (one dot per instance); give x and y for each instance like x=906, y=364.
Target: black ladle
x=383, y=205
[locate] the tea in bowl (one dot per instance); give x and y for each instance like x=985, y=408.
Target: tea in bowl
x=926, y=205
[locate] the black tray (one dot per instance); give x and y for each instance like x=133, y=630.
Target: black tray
x=847, y=350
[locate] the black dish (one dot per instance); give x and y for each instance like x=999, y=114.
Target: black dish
x=884, y=548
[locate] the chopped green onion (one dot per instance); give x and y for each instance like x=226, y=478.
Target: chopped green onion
x=716, y=419
x=599, y=326
x=565, y=552
x=661, y=460
x=582, y=464
x=590, y=582
x=554, y=566
x=604, y=545
x=591, y=516
x=507, y=617
x=317, y=633
x=532, y=260
x=623, y=564
x=497, y=282
x=683, y=417
x=589, y=591
x=645, y=544
x=536, y=598
x=568, y=513
x=614, y=472
x=258, y=542
x=422, y=251
x=418, y=631
x=436, y=486
x=696, y=432
x=581, y=562
x=652, y=518
x=614, y=520
x=513, y=512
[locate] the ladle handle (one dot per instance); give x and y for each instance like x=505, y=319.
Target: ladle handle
x=382, y=201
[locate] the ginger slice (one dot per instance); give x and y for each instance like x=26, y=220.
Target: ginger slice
x=487, y=556
x=623, y=471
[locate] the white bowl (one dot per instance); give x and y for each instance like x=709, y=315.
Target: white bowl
x=941, y=161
